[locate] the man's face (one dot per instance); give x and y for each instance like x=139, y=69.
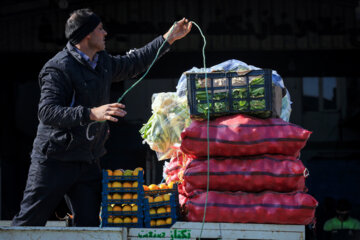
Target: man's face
x=97, y=38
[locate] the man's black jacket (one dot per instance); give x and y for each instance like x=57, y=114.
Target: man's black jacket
x=69, y=88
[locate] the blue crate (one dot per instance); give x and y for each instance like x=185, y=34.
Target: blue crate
x=125, y=213
x=138, y=190
x=161, y=226
x=105, y=214
x=160, y=204
x=122, y=190
x=139, y=201
x=106, y=178
x=173, y=214
x=229, y=93
x=105, y=223
x=148, y=225
x=138, y=213
x=162, y=191
x=172, y=203
x=128, y=225
x=158, y=216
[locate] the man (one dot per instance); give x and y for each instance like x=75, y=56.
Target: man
x=342, y=226
x=75, y=93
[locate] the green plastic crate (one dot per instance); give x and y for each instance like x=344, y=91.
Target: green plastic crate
x=230, y=93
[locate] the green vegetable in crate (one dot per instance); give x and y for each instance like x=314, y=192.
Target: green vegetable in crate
x=239, y=93
x=163, y=129
x=254, y=105
x=240, y=105
x=201, y=95
x=257, y=81
x=257, y=92
x=221, y=107
x=257, y=104
x=203, y=108
x=245, y=92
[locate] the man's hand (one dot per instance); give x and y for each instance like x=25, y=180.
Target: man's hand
x=181, y=29
x=106, y=112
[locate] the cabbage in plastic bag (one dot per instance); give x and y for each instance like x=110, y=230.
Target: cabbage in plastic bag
x=170, y=117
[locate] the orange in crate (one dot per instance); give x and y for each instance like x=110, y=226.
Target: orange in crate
x=159, y=199
x=116, y=208
x=168, y=209
x=127, y=196
x=109, y=172
x=153, y=187
x=160, y=222
x=126, y=208
x=171, y=185
x=163, y=186
x=116, y=185
x=116, y=196
x=160, y=210
x=150, y=199
x=127, y=185
x=118, y=172
x=117, y=220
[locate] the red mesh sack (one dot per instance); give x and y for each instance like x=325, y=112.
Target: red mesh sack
x=240, y=135
x=240, y=207
x=182, y=199
x=277, y=173
x=181, y=188
x=172, y=170
x=173, y=177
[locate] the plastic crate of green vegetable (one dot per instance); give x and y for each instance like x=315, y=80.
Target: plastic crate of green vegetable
x=230, y=93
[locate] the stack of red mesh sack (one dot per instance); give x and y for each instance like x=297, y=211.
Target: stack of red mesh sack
x=254, y=172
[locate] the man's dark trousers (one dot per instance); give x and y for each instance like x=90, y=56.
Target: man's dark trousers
x=49, y=181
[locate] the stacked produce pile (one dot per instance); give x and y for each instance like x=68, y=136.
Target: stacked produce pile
x=127, y=202
x=254, y=167
x=122, y=198
x=160, y=205
x=254, y=173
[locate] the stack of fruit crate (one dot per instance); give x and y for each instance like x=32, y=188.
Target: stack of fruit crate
x=161, y=206
x=122, y=198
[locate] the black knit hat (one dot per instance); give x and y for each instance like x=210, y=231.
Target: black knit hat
x=80, y=24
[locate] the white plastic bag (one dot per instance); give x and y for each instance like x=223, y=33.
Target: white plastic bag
x=163, y=129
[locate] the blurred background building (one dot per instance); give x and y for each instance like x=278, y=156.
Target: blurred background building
x=313, y=44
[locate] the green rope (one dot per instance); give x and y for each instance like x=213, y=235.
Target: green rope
x=143, y=76
x=207, y=130
x=208, y=112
